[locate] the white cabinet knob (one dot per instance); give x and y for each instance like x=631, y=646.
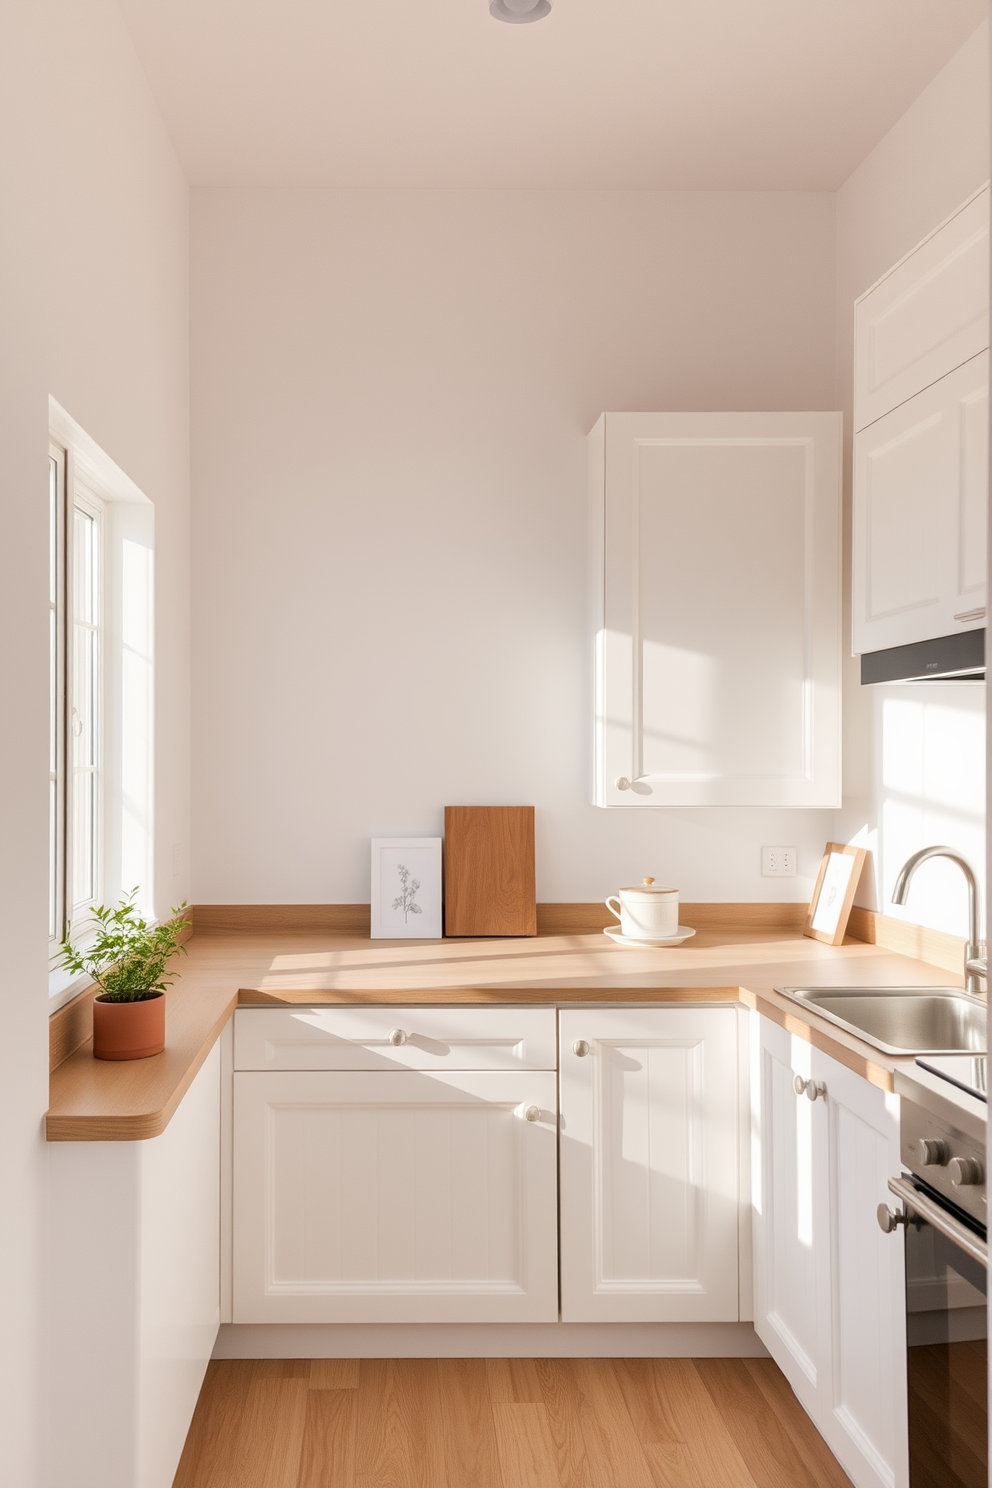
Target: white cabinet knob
x=532, y=1113
x=398, y=1037
x=809, y=1088
x=889, y=1220
x=622, y=783
x=581, y=1048
x=799, y=1085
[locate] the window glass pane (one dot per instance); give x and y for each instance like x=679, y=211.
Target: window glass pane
x=83, y=839
x=53, y=695
x=53, y=529
x=84, y=706
x=56, y=700
x=54, y=927
x=84, y=576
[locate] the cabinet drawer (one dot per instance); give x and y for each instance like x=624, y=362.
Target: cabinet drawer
x=394, y=1038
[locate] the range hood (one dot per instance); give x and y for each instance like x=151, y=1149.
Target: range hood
x=952, y=658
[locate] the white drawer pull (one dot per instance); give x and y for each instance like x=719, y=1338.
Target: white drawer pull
x=978, y=613
x=580, y=1048
x=532, y=1113
x=398, y=1037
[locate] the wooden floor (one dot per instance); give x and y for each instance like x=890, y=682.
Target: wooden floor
x=499, y=1423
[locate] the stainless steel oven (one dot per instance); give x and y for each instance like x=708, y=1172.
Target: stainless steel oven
x=942, y=1213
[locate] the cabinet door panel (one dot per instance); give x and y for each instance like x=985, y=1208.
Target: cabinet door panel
x=920, y=497
x=401, y=1197
x=973, y=435
x=926, y=317
x=790, y=1215
x=649, y=1165
x=718, y=646
x=864, y=1416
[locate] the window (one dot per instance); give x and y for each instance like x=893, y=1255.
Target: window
x=56, y=694
x=101, y=685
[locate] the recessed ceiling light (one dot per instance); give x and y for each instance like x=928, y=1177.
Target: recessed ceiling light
x=519, y=11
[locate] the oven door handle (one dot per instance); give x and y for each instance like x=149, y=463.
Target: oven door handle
x=952, y=1229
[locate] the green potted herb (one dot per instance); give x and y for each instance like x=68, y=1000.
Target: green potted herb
x=127, y=960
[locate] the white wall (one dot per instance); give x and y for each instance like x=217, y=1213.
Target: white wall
x=391, y=392
x=913, y=756
x=94, y=311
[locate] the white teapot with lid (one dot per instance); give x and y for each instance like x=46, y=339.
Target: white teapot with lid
x=647, y=912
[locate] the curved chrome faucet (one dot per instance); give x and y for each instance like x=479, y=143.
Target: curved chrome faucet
x=974, y=961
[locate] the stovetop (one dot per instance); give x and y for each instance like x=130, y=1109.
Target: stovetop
x=967, y=1071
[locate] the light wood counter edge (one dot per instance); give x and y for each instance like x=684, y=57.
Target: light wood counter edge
x=131, y=1125
x=139, y=1102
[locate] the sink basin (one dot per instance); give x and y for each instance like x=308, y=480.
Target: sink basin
x=902, y=1020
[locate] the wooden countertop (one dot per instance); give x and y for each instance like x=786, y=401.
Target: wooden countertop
x=91, y=1100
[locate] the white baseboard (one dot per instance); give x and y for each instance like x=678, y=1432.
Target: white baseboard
x=488, y=1341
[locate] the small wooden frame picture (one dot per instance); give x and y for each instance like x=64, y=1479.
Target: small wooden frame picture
x=406, y=888
x=836, y=885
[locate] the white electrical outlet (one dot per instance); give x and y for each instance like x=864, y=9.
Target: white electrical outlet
x=778, y=862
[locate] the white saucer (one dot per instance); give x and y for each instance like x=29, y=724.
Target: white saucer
x=625, y=940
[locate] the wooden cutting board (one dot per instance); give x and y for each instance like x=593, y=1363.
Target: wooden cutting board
x=489, y=883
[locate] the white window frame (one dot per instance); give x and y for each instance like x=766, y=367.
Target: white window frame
x=90, y=481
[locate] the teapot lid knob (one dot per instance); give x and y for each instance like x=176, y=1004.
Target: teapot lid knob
x=647, y=880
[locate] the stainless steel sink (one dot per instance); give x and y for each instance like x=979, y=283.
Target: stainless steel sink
x=902, y=1020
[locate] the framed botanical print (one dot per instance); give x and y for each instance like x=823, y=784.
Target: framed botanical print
x=406, y=888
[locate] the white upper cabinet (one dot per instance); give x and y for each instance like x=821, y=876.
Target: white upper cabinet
x=921, y=440
x=921, y=493
x=716, y=591
x=927, y=316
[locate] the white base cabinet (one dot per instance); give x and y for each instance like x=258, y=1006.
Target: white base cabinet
x=829, y=1286
x=134, y=1293
x=391, y=1194
x=649, y=1164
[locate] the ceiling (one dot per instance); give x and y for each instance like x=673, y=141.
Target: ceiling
x=719, y=94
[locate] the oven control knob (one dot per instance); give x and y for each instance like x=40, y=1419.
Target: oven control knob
x=966, y=1172
x=933, y=1153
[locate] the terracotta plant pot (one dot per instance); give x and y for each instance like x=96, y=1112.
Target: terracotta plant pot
x=128, y=1030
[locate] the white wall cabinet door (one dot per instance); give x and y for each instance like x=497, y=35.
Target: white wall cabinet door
x=790, y=1221
x=407, y=1196
x=925, y=317
x=716, y=574
x=649, y=1163
x=863, y=1415
x=920, y=502
x=829, y=1285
